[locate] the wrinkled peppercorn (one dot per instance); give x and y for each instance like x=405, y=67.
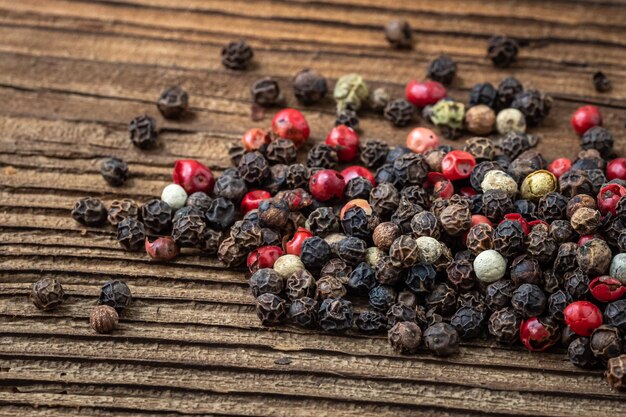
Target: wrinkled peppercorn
x=47, y=294
x=479, y=238
x=356, y=223
x=362, y=279
x=386, y=174
x=329, y=287
x=387, y=272
x=615, y=314
x=221, y=214
x=322, y=221
x=443, y=299
x=601, y=82
x=557, y=303
x=373, y=153
x=347, y=117
x=616, y=372
x=442, y=339
x=421, y=278
x=335, y=315
x=468, y=322
x=235, y=153
x=399, y=112
x=594, y=257
x=580, y=354
x=103, y=319
x=496, y=203
x=114, y=171
x=504, y=325
x=498, y=294
x=483, y=93
x=253, y=168
x=352, y=250
x=131, y=234
x=381, y=297
x=508, y=238
x=384, y=200
x=442, y=69
x=211, y=241
x=300, y=284
x=89, y=211
x=115, y=294
x=456, y=219
x=502, y=50
x=461, y=274
x=405, y=337
x=303, y=312
x=371, y=322
x=157, y=216
x=525, y=270
x=358, y=188
x=122, y=209
x=281, y=151
x=188, y=231
x=411, y=168
x=606, y=343
x=322, y=156
x=271, y=309
x=227, y=186
x=273, y=213
x=143, y=132
x=309, y=86
x=173, y=102
x=529, y=300
x=265, y=92
x=230, y=253
x=315, y=253
x=507, y=90
x=552, y=207
x=237, y=55
x=425, y=223
x=266, y=280
x=533, y=105
x=598, y=138
x=400, y=312
x=403, y=252
x=297, y=176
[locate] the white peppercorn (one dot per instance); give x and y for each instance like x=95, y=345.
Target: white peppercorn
x=499, y=180
x=429, y=249
x=510, y=120
x=489, y=266
x=174, y=195
x=618, y=267
x=287, y=265
x=372, y=255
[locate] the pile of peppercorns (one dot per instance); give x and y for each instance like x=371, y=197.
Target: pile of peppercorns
x=433, y=244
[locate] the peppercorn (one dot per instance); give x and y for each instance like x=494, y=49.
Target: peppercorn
x=616, y=372
x=399, y=35
x=483, y=93
x=510, y=121
x=297, y=176
x=552, y=206
x=580, y=354
x=557, y=302
x=508, y=238
x=47, y=294
x=449, y=116
x=347, y=117
x=425, y=223
x=496, y=203
x=281, y=151
x=386, y=174
x=411, y=168
x=173, y=102
x=381, y=297
x=246, y=234
x=479, y=238
x=551, y=281
x=443, y=299
x=534, y=105
x=114, y=171
x=421, y=278
x=187, y=211
x=529, y=300
x=235, y=153
x=585, y=220
x=358, y=188
x=442, y=339
x=399, y=112
x=303, y=312
x=594, y=257
x=606, y=343
x=539, y=333
x=271, y=309
x=174, y=196
x=566, y=258
x=315, y=253
x=221, y=214
x=299, y=284
x=329, y=287
x=237, y=55
x=335, y=315
x=498, y=294
x=322, y=156
x=143, y=132
x=338, y=269
x=502, y=50
x=322, y=221
x=265, y=92
x=163, y=248
x=507, y=90
x=89, y=211
x=479, y=147
x=456, y=219
x=266, y=280
x=362, y=279
x=403, y=252
x=211, y=241
x=598, y=138
x=131, y=234
x=601, y=82
x=461, y=274
x=468, y=322
x=231, y=254
x=576, y=283
x=499, y=180
x=405, y=337
x=309, y=86
x=122, y=209
x=115, y=294
x=442, y=69
x=373, y=153
x=103, y=319
x=615, y=314
x=351, y=250
x=371, y=322
x=356, y=222
x=351, y=91
x=384, y=200
x=400, y=312
x=253, y=168
x=504, y=325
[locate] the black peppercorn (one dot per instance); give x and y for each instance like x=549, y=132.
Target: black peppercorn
x=498, y=294
x=399, y=35
x=358, y=188
x=403, y=252
x=89, y=211
x=399, y=112
x=575, y=182
x=384, y=199
x=246, y=234
x=606, y=343
x=211, y=241
x=483, y=93
x=335, y=315
x=421, y=278
x=114, y=171
x=338, y=269
x=552, y=207
x=405, y=337
x=235, y=153
x=297, y=176
x=540, y=245
x=362, y=279
x=502, y=50
x=598, y=138
x=551, y=281
x=615, y=314
x=580, y=353
x=504, y=325
x=47, y=294
x=266, y=280
x=329, y=287
x=347, y=117
x=309, y=86
x=468, y=322
x=425, y=223
x=386, y=174
x=221, y=214
x=230, y=253
x=576, y=283
x=229, y=187
x=356, y=223
x=265, y=92
x=315, y=253
x=351, y=250
x=533, y=105
x=188, y=231
x=514, y=143
x=562, y=231
x=143, y=132
x=443, y=299
x=115, y=294
x=303, y=312
x=601, y=82
x=322, y=221
x=525, y=270
x=507, y=90
x=479, y=171
x=281, y=151
x=508, y=238
x=566, y=258
x=157, y=216
x=557, y=303
x=373, y=153
x=381, y=297
x=273, y=213
x=173, y=102
x=322, y=156
x=131, y=234
x=479, y=238
x=237, y=55
x=529, y=300
x=411, y=169
x=442, y=339
x=371, y=322
x=388, y=272
x=461, y=274
x=442, y=69
x=300, y=284
x=271, y=309
x=496, y=203
x=400, y=312
x=122, y=209
x=253, y=168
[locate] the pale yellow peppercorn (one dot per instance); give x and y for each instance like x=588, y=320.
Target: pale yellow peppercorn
x=537, y=184
x=510, y=120
x=287, y=265
x=499, y=180
x=372, y=255
x=480, y=119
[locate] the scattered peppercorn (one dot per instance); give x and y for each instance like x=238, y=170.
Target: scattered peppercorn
x=271, y=309
x=173, y=102
x=309, y=86
x=131, y=234
x=103, y=319
x=237, y=55
x=399, y=35
x=442, y=69
x=502, y=50
x=47, y=294
x=399, y=112
x=115, y=294
x=114, y=171
x=265, y=92
x=601, y=82
x=89, y=211
x=143, y=132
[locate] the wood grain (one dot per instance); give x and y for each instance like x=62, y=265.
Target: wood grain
x=74, y=72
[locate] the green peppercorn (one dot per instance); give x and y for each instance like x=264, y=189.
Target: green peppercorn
x=448, y=113
x=351, y=91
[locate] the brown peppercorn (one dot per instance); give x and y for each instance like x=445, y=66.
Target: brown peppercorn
x=444, y=259
x=384, y=199
x=566, y=258
x=606, y=342
x=300, y=284
x=131, y=234
x=456, y=219
x=47, y=294
x=386, y=271
x=237, y=55
x=496, y=203
x=585, y=220
x=338, y=269
x=329, y=287
x=322, y=221
x=309, y=86
x=404, y=252
x=143, y=132
x=405, y=337
x=411, y=168
x=461, y=274
x=578, y=201
x=385, y=234
x=121, y=209
x=481, y=148
x=322, y=156
x=265, y=92
x=271, y=309
x=89, y=211
x=188, y=231
x=504, y=325
x=399, y=35
x=479, y=238
x=540, y=245
x=425, y=223
x=616, y=372
x=211, y=241
x=399, y=112
x=103, y=319
x=266, y=280
x=173, y=102
x=281, y=151
x=594, y=257
x=442, y=339
x=273, y=213
x=575, y=181
x=253, y=168
x=373, y=153
x=230, y=253
x=480, y=119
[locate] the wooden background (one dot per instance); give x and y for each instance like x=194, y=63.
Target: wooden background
x=73, y=73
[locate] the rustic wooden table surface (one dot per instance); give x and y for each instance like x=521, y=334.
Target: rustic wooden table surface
x=73, y=73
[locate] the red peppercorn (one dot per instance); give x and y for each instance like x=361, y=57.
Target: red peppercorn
x=345, y=141
x=358, y=171
x=468, y=191
x=291, y=124
x=327, y=184
x=457, y=165
x=252, y=199
x=421, y=140
x=560, y=166
x=263, y=257
x=606, y=289
x=582, y=317
x=193, y=176
x=294, y=245
x=585, y=118
x=616, y=169
x=608, y=197
x=519, y=219
x=163, y=248
x=424, y=93
x=443, y=189
x=535, y=335
x=254, y=138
